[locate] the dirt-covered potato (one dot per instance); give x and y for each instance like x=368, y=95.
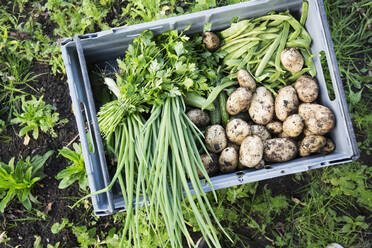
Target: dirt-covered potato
x=260, y=165
x=215, y=138
x=293, y=125
x=228, y=161
x=311, y=144
x=275, y=127
x=279, y=150
x=286, y=102
x=251, y=151
x=283, y=135
x=234, y=145
x=261, y=110
x=292, y=59
x=238, y=101
x=307, y=132
x=211, y=41
x=210, y=164
x=237, y=130
x=318, y=119
x=198, y=117
x=307, y=88
x=328, y=147
x=246, y=80
x=260, y=131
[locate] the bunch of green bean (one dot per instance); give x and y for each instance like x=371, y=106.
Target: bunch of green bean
x=256, y=44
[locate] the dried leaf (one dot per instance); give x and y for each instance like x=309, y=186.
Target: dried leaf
x=48, y=208
x=297, y=201
x=2, y=236
x=26, y=139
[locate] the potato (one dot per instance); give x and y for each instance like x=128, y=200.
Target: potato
x=234, y=145
x=210, y=164
x=246, y=80
x=261, y=132
x=260, y=165
x=211, y=41
x=318, y=119
x=293, y=125
x=228, y=161
x=307, y=132
x=275, y=127
x=237, y=130
x=328, y=147
x=198, y=117
x=307, y=88
x=292, y=59
x=286, y=102
x=238, y=101
x=283, y=135
x=251, y=151
x=311, y=144
x=279, y=150
x=261, y=110
x=215, y=138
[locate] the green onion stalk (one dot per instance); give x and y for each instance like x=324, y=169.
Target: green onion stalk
x=172, y=140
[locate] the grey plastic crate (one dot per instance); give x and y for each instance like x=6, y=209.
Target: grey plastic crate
x=81, y=50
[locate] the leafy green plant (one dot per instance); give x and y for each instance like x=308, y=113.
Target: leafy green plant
x=37, y=115
x=77, y=17
x=148, y=10
x=57, y=227
x=86, y=237
x=18, y=180
x=15, y=65
x=352, y=181
x=76, y=169
x=37, y=243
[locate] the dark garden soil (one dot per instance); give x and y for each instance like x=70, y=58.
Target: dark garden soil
x=54, y=203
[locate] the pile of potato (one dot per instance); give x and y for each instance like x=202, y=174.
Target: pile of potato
x=266, y=129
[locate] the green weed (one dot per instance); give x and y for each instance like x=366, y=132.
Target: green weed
x=77, y=17
x=37, y=115
x=18, y=179
x=351, y=31
x=76, y=169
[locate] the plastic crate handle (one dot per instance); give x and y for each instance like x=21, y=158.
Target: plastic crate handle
x=92, y=122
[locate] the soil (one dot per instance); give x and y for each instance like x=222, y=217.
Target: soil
x=47, y=192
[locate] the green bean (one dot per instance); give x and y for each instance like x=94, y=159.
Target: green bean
x=215, y=115
x=305, y=9
x=267, y=56
x=273, y=18
x=236, y=54
x=252, y=33
x=309, y=62
x=214, y=94
x=268, y=36
x=239, y=41
x=222, y=102
x=298, y=74
x=249, y=28
x=235, y=29
x=283, y=41
x=235, y=47
x=295, y=34
x=298, y=43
